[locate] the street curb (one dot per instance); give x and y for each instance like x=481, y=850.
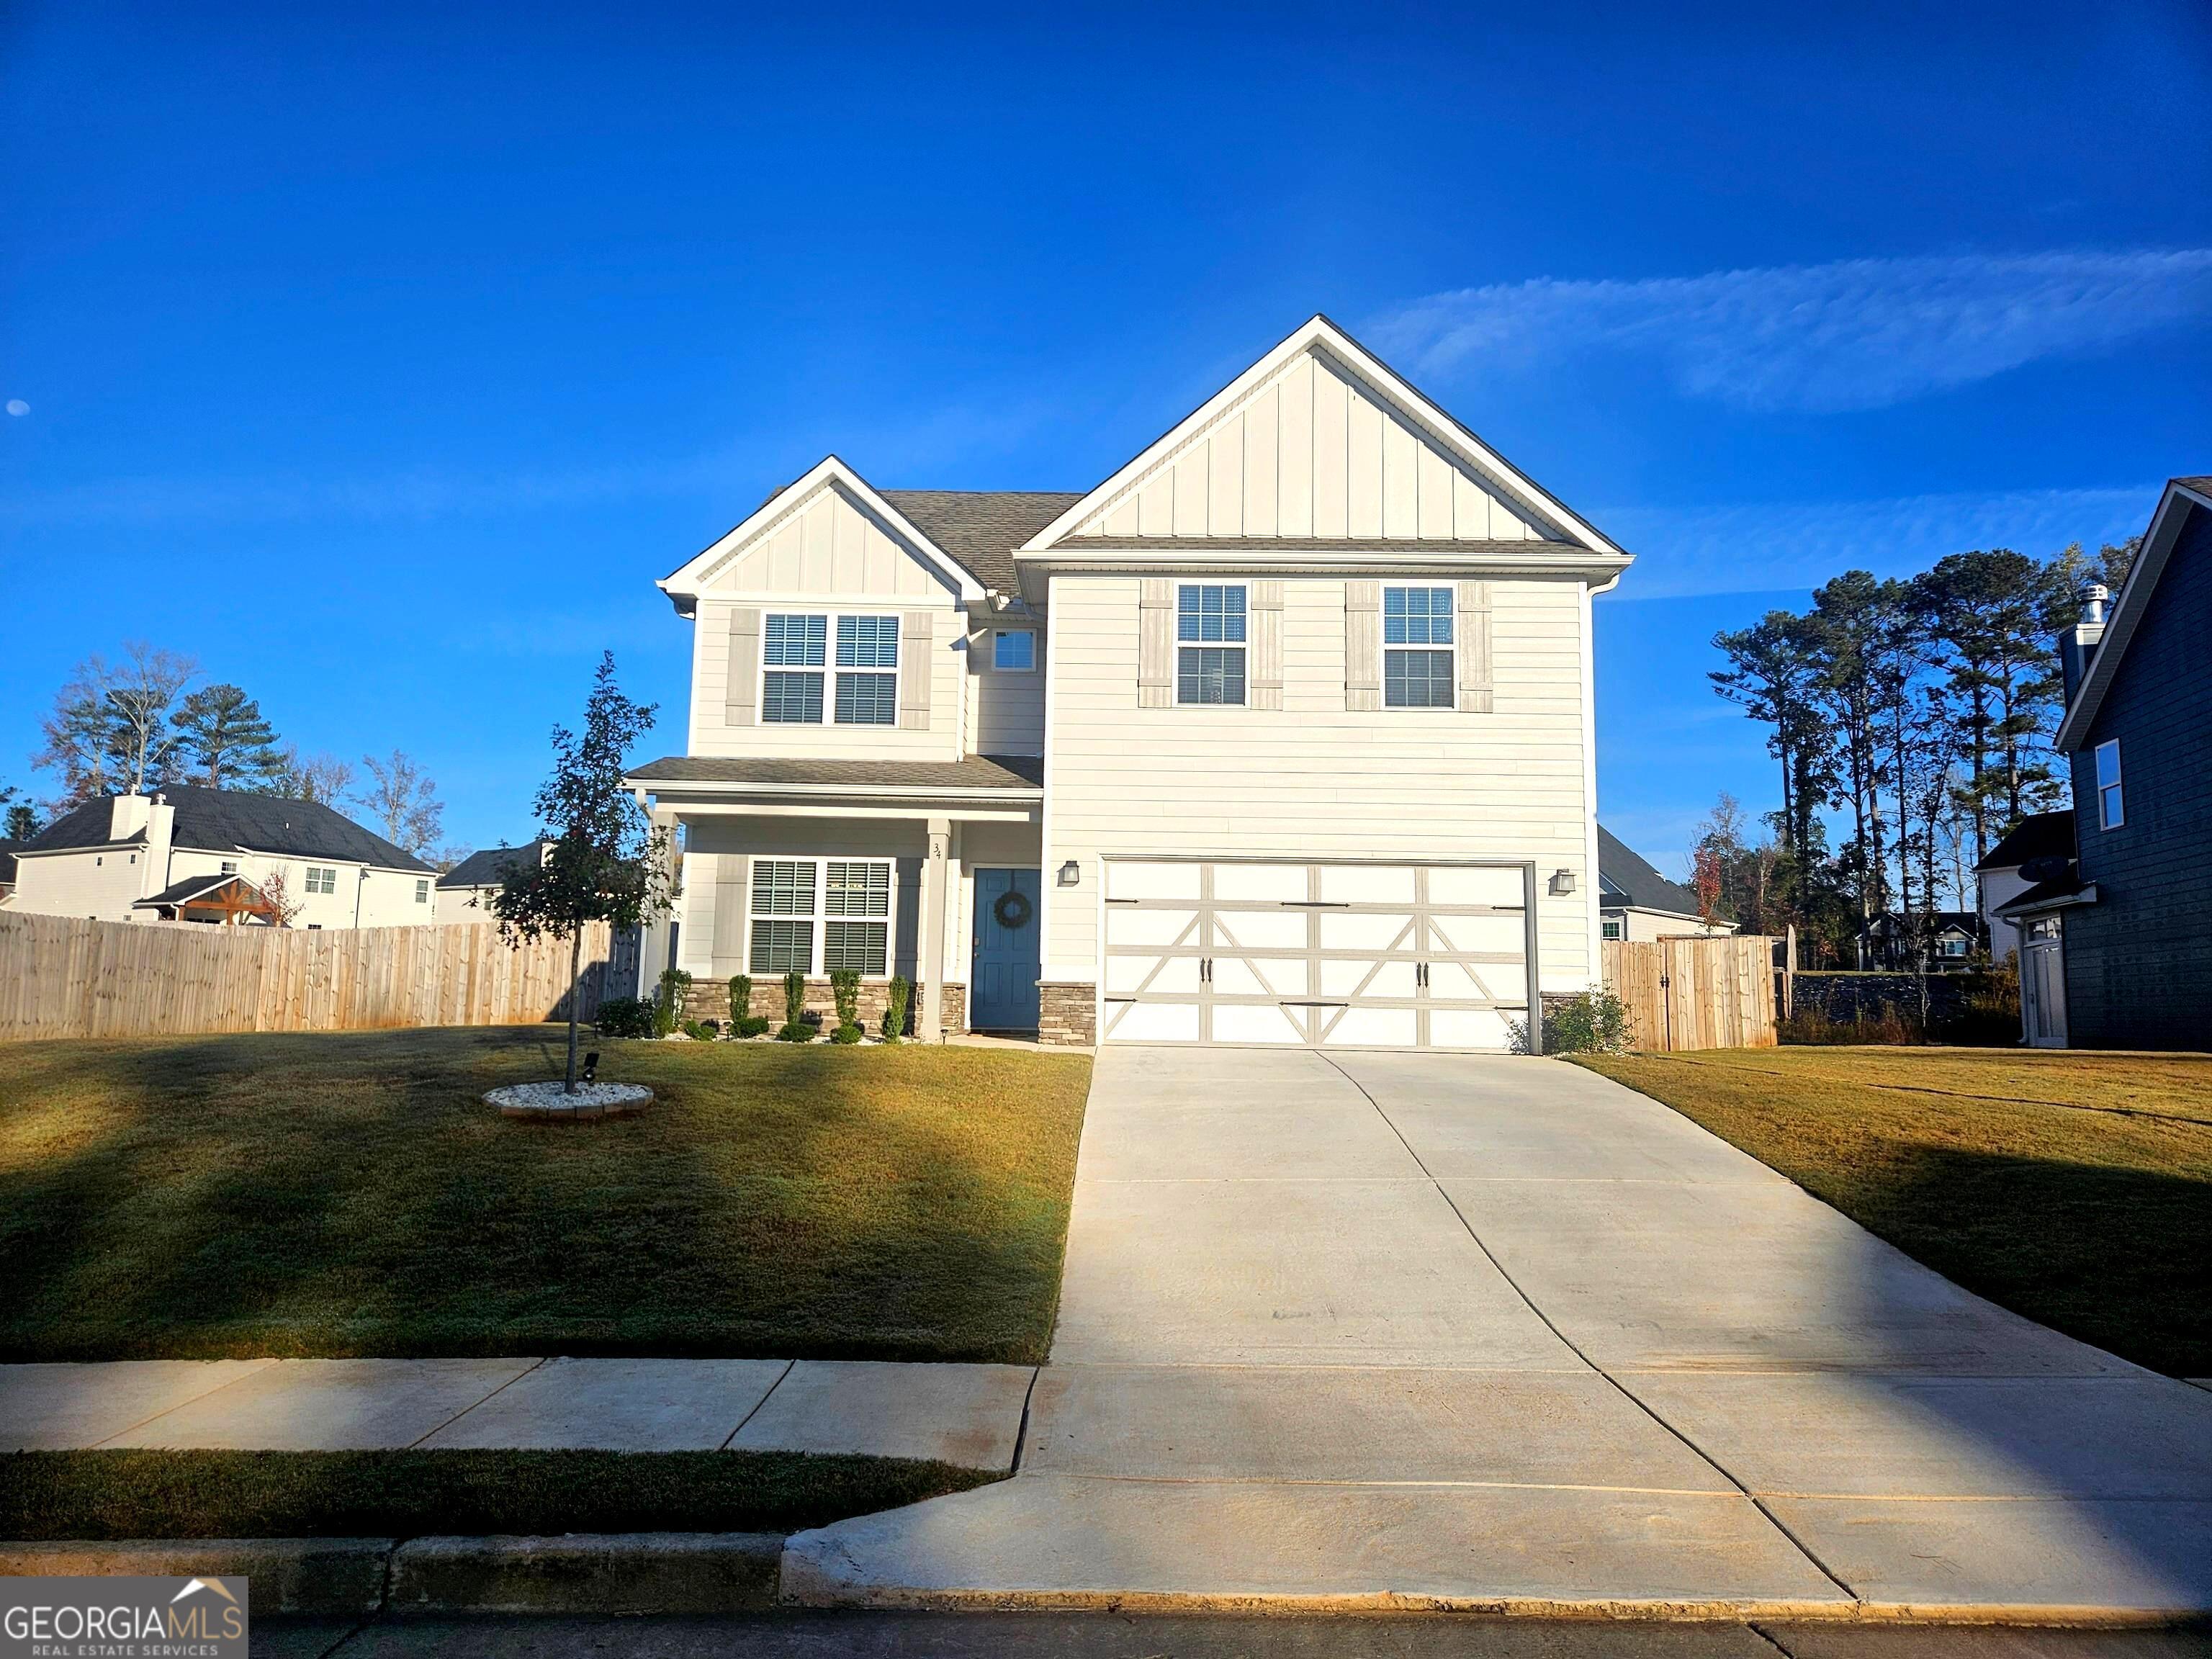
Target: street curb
x=312, y=1576
x=670, y=1572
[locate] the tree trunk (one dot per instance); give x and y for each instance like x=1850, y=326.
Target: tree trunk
x=576, y=963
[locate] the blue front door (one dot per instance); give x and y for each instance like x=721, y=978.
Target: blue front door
x=1003, y=981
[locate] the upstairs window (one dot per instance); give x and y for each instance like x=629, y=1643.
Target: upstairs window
x=230, y=866
x=1417, y=649
x=422, y=892
x=793, y=652
x=1013, y=651
x=867, y=643
x=1210, y=643
x=322, y=880
x=2110, y=810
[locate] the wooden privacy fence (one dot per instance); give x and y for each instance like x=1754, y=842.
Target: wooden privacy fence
x=1695, y=992
x=62, y=977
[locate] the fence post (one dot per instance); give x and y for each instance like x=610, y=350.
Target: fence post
x=1789, y=971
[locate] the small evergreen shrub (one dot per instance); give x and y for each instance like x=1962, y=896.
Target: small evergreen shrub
x=845, y=989
x=894, y=1007
x=849, y=1033
x=751, y=1025
x=1592, y=1022
x=668, y=1005
x=797, y=1031
x=625, y=1016
x=794, y=997
x=741, y=999
x=701, y=1031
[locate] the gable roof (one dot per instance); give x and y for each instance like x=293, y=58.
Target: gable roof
x=234, y=821
x=490, y=868
x=1632, y=881
x=682, y=584
x=1322, y=338
x=2183, y=498
x=2038, y=836
x=981, y=528
x=192, y=887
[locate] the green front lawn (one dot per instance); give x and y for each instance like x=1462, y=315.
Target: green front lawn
x=349, y=1193
x=2075, y=1188
x=401, y=1494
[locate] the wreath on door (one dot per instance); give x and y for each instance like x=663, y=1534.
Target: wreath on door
x=1012, y=910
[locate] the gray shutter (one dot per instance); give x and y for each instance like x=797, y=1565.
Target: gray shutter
x=1473, y=643
x=1155, y=642
x=740, y=701
x=1265, y=607
x=917, y=651
x=731, y=871
x=1362, y=645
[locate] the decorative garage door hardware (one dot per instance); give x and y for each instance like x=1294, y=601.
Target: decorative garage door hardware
x=1315, y=954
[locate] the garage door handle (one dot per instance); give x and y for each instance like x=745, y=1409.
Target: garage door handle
x=1317, y=904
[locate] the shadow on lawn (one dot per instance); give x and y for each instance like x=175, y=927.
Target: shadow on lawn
x=340, y=1195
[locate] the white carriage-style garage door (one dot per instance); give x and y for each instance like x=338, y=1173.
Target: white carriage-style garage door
x=1321, y=954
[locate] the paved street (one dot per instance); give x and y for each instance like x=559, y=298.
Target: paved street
x=1386, y=1330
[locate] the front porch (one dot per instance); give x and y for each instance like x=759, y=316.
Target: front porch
x=927, y=872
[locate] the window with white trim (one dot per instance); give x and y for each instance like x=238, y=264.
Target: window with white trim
x=843, y=906
x=1418, y=669
x=1609, y=928
x=229, y=866
x=2111, y=811
x=796, y=666
x=423, y=891
x=322, y=879
x=1013, y=650
x=1210, y=642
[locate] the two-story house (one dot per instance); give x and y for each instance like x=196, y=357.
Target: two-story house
x=211, y=855
x=2116, y=947
x=1281, y=734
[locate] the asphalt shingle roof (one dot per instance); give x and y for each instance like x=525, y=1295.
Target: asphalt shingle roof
x=981, y=528
x=2039, y=836
x=232, y=820
x=1642, y=885
x=178, y=891
x=490, y=866
x=975, y=772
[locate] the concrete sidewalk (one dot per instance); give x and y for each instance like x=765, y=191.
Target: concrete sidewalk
x=1413, y=1330
x=970, y=1415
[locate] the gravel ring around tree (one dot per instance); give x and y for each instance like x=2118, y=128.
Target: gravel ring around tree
x=551, y=1103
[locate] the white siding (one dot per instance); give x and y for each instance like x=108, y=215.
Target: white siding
x=825, y=556
x=455, y=908
x=1009, y=707
x=384, y=899
x=101, y=883
x=1314, y=779
x=1312, y=451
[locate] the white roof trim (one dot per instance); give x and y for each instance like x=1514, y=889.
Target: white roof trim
x=1319, y=333
x=684, y=583
x=2127, y=611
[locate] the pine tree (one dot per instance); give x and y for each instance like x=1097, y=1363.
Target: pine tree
x=223, y=742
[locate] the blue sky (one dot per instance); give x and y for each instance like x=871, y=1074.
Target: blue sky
x=382, y=358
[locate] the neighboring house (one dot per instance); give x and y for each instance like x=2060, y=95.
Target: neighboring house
x=1281, y=734
x=2040, y=847
x=1636, y=901
x=1946, y=941
x=8, y=869
x=464, y=891
x=2117, y=949
x=136, y=858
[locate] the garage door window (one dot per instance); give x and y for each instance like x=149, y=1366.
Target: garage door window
x=1417, y=653
x=1210, y=621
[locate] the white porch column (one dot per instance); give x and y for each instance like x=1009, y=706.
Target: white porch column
x=929, y=949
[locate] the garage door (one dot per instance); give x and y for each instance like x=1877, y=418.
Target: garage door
x=1363, y=956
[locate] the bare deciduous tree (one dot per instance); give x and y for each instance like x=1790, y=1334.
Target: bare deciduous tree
x=402, y=800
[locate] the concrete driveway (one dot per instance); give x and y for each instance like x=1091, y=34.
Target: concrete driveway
x=1374, y=1329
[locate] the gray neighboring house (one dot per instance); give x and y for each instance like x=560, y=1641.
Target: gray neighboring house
x=464, y=891
x=2116, y=947
x=1635, y=901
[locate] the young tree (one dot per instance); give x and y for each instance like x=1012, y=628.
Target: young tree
x=402, y=799
x=607, y=864
x=319, y=777
x=276, y=893
x=225, y=741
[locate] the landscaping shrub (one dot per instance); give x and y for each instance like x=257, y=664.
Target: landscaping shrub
x=625, y=1016
x=894, y=1007
x=796, y=1028
x=668, y=1005
x=845, y=987
x=1592, y=1022
x=751, y=1025
x=701, y=1031
x=741, y=1000
x=849, y=1033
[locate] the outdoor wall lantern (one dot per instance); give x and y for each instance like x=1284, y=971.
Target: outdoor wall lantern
x=1071, y=874
x=1563, y=882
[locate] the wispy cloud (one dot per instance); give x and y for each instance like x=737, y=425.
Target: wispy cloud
x=1773, y=546
x=1855, y=334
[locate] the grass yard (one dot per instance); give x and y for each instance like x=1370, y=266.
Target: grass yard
x=2074, y=1187
x=349, y=1194
x=401, y=1494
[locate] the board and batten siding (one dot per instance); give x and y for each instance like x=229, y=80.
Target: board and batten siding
x=826, y=556
x=1312, y=452
x=1316, y=779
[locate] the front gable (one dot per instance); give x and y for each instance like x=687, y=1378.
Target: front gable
x=827, y=534
x=1319, y=441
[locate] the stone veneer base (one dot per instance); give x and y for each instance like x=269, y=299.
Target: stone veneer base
x=709, y=999
x=1068, y=1014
